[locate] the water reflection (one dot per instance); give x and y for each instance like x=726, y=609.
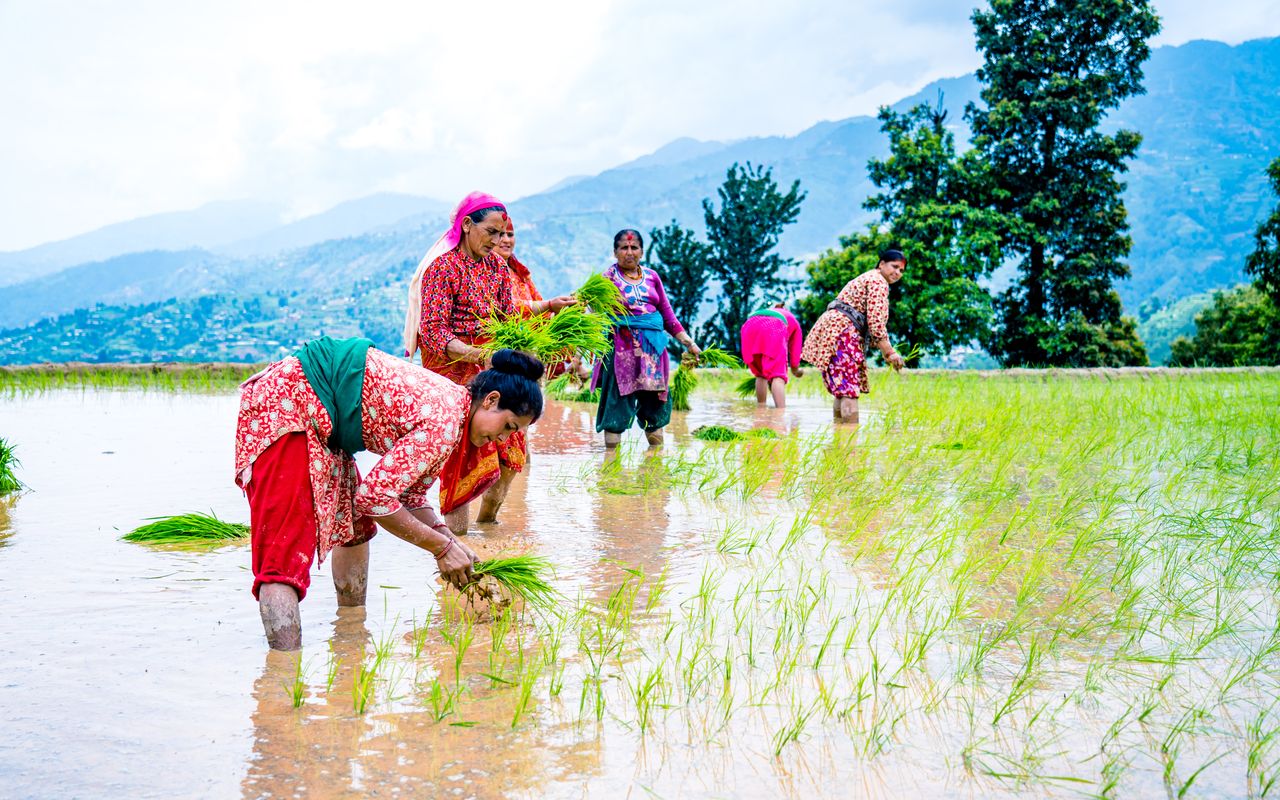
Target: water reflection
x=7, y=504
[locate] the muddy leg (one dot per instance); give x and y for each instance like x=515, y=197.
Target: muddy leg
x=612, y=439
x=762, y=391
x=654, y=437
x=493, y=499
x=779, y=389
x=278, y=604
x=459, y=520
x=847, y=409
x=351, y=574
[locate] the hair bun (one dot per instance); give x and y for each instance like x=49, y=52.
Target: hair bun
x=514, y=362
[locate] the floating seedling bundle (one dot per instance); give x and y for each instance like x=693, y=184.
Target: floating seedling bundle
x=684, y=381
x=721, y=433
x=187, y=528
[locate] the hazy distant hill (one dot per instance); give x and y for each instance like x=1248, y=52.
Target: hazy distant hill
x=1195, y=194
x=206, y=227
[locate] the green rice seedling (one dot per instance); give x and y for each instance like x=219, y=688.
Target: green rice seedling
x=524, y=576
x=684, y=381
x=528, y=679
x=527, y=334
x=747, y=388
x=331, y=672
x=601, y=295
x=442, y=699
x=296, y=687
x=717, y=433
x=184, y=528
x=574, y=331
x=9, y=463
x=363, y=681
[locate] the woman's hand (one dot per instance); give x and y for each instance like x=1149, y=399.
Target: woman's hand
x=797, y=372
x=896, y=361
x=692, y=347
x=455, y=565
x=563, y=301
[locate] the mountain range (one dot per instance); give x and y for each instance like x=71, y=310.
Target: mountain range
x=231, y=281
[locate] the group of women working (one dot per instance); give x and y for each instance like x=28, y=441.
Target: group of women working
x=462, y=416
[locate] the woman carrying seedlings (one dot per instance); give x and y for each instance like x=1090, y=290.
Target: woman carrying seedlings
x=633, y=379
x=302, y=418
x=528, y=301
x=460, y=282
x=858, y=317
x=771, y=342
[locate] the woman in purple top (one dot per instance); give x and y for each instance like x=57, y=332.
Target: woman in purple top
x=633, y=379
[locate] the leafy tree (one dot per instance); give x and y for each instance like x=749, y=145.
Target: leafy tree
x=924, y=211
x=682, y=260
x=1051, y=71
x=1236, y=330
x=1264, y=262
x=743, y=236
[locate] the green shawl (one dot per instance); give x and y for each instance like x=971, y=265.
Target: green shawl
x=335, y=370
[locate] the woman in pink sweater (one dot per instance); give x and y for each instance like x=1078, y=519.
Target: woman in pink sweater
x=771, y=342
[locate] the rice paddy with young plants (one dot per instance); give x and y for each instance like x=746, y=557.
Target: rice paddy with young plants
x=1047, y=584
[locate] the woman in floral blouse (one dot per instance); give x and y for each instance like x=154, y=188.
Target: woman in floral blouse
x=633, y=378
x=302, y=418
x=857, y=318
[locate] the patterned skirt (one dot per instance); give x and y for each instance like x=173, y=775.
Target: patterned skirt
x=846, y=375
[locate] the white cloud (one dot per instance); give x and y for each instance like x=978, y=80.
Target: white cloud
x=115, y=110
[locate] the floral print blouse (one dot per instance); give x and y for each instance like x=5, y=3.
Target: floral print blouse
x=458, y=294
x=868, y=293
x=411, y=417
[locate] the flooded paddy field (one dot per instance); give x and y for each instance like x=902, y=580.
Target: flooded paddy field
x=1020, y=586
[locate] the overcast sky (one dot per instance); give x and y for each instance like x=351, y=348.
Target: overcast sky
x=114, y=110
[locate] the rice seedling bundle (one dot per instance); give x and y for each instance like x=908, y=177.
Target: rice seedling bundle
x=8, y=463
x=602, y=296
x=722, y=433
x=572, y=331
x=524, y=576
x=184, y=528
x=565, y=390
x=683, y=382
x=747, y=388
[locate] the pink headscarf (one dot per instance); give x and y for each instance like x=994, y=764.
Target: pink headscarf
x=447, y=241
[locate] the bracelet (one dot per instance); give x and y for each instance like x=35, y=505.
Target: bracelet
x=445, y=551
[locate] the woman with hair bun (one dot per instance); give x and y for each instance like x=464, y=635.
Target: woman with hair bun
x=301, y=420
x=855, y=320
x=633, y=378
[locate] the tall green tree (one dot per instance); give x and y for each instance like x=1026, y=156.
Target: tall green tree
x=1052, y=69
x=1264, y=262
x=925, y=210
x=743, y=237
x=1237, y=330
x=683, y=263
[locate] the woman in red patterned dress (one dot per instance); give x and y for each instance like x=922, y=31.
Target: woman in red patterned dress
x=302, y=418
x=459, y=283
x=858, y=317
x=528, y=301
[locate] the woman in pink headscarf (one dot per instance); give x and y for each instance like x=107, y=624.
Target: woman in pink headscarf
x=459, y=283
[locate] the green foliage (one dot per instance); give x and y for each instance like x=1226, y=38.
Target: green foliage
x=743, y=237
x=601, y=295
x=684, y=264
x=1159, y=325
x=566, y=389
x=1051, y=71
x=1264, y=262
x=524, y=576
x=1237, y=329
x=9, y=463
x=186, y=528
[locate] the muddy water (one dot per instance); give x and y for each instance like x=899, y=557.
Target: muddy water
x=131, y=671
